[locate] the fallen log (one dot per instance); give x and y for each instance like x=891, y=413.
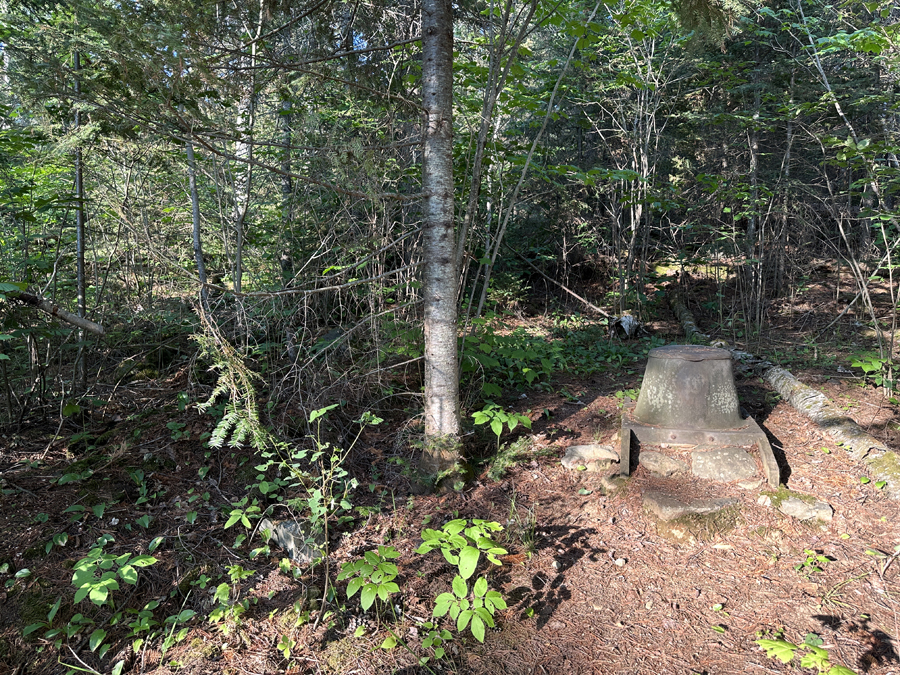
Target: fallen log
x=883, y=463
x=55, y=310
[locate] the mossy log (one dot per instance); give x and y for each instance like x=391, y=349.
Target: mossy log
x=883, y=463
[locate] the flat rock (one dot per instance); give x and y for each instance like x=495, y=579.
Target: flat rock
x=593, y=457
x=298, y=542
x=801, y=510
x=723, y=464
x=666, y=507
x=662, y=465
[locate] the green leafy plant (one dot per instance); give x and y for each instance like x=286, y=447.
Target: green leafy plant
x=811, y=654
x=178, y=430
x=174, y=636
x=373, y=575
x=462, y=544
x=473, y=608
x=286, y=645
x=879, y=371
x=58, y=539
x=243, y=513
x=51, y=632
x=434, y=640
x=229, y=611
x=813, y=563
x=497, y=418
x=508, y=455
x=143, y=623
x=98, y=573
x=621, y=395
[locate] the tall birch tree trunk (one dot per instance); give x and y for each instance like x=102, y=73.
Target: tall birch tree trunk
x=441, y=361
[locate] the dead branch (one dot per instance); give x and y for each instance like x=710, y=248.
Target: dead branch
x=57, y=311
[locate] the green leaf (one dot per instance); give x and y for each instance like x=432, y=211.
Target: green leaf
x=367, y=597
x=442, y=604
x=454, y=526
x=480, y=587
x=478, y=628
x=54, y=610
x=460, y=589
x=316, y=414
x=497, y=427
x=97, y=638
x=468, y=561
x=839, y=670
x=778, y=649
x=485, y=615
x=129, y=574
x=354, y=586
x=389, y=642
x=816, y=658
x=100, y=594
x=223, y=592
x=494, y=598
x=463, y=619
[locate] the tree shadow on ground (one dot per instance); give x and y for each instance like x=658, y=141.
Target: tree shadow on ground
x=881, y=648
x=545, y=593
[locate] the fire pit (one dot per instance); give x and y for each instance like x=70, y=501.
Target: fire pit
x=688, y=397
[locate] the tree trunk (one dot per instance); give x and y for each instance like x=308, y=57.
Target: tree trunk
x=81, y=366
x=195, y=221
x=285, y=257
x=441, y=372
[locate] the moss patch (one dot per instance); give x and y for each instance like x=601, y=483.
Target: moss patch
x=777, y=497
x=198, y=649
x=342, y=655
x=886, y=467
x=699, y=527
x=34, y=608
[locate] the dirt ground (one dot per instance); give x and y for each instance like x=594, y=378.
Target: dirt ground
x=592, y=583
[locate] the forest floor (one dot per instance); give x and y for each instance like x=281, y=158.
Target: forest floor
x=592, y=583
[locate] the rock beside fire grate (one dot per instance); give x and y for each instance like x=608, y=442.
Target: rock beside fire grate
x=723, y=464
x=665, y=507
x=662, y=465
x=591, y=457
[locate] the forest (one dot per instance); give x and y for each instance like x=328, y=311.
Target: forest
x=305, y=306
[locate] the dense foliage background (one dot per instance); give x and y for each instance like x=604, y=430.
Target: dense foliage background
x=262, y=163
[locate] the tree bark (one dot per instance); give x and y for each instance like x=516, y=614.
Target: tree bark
x=195, y=221
x=54, y=310
x=81, y=366
x=441, y=371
